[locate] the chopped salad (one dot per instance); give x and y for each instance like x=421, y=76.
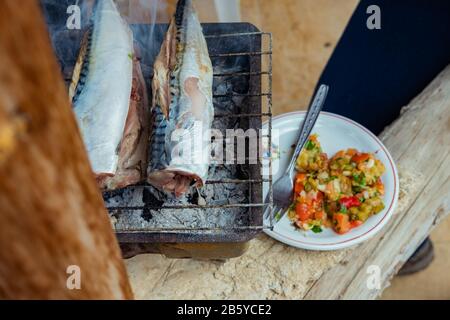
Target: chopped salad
x=340, y=193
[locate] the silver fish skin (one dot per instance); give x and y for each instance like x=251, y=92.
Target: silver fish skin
x=101, y=86
x=182, y=99
x=133, y=152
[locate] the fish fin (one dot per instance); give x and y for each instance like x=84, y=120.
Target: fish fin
x=119, y=146
x=81, y=67
x=179, y=13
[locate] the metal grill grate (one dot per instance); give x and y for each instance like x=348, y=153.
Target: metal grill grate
x=266, y=71
x=264, y=53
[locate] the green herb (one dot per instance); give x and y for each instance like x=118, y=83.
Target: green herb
x=360, y=178
x=363, y=180
x=326, y=207
x=278, y=216
x=292, y=207
x=310, y=145
x=130, y=55
x=343, y=209
x=331, y=178
x=356, y=189
x=308, y=187
x=316, y=229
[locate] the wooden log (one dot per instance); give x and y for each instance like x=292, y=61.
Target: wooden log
x=52, y=215
x=419, y=141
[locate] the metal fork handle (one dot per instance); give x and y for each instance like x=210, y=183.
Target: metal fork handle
x=307, y=126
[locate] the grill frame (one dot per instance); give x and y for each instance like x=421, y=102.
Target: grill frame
x=254, y=118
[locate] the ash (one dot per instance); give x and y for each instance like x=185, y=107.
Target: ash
x=166, y=219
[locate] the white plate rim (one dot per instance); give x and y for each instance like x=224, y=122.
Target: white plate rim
x=359, y=238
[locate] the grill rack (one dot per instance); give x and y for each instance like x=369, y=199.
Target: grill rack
x=267, y=95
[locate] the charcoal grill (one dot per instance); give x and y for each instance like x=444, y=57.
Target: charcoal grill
x=242, y=61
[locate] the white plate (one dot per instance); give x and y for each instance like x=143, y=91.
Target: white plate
x=335, y=133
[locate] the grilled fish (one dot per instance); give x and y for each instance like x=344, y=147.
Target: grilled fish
x=182, y=108
x=132, y=163
x=110, y=100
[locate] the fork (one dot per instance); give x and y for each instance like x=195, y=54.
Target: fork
x=284, y=186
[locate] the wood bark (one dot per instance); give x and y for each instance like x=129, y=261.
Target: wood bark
x=52, y=215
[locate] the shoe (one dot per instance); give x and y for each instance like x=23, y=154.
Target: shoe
x=419, y=260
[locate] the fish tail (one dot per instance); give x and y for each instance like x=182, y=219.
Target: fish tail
x=179, y=13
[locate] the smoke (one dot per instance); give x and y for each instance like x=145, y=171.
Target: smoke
x=148, y=19
x=65, y=39
x=143, y=16
x=156, y=5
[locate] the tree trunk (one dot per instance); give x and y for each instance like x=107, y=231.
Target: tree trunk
x=52, y=219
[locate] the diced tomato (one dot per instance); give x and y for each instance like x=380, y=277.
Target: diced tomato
x=341, y=223
x=319, y=215
x=379, y=186
x=360, y=157
x=349, y=202
x=303, y=211
x=355, y=223
x=311, y=196
x=319, y=197
x=299, y=178
x=298, y=187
